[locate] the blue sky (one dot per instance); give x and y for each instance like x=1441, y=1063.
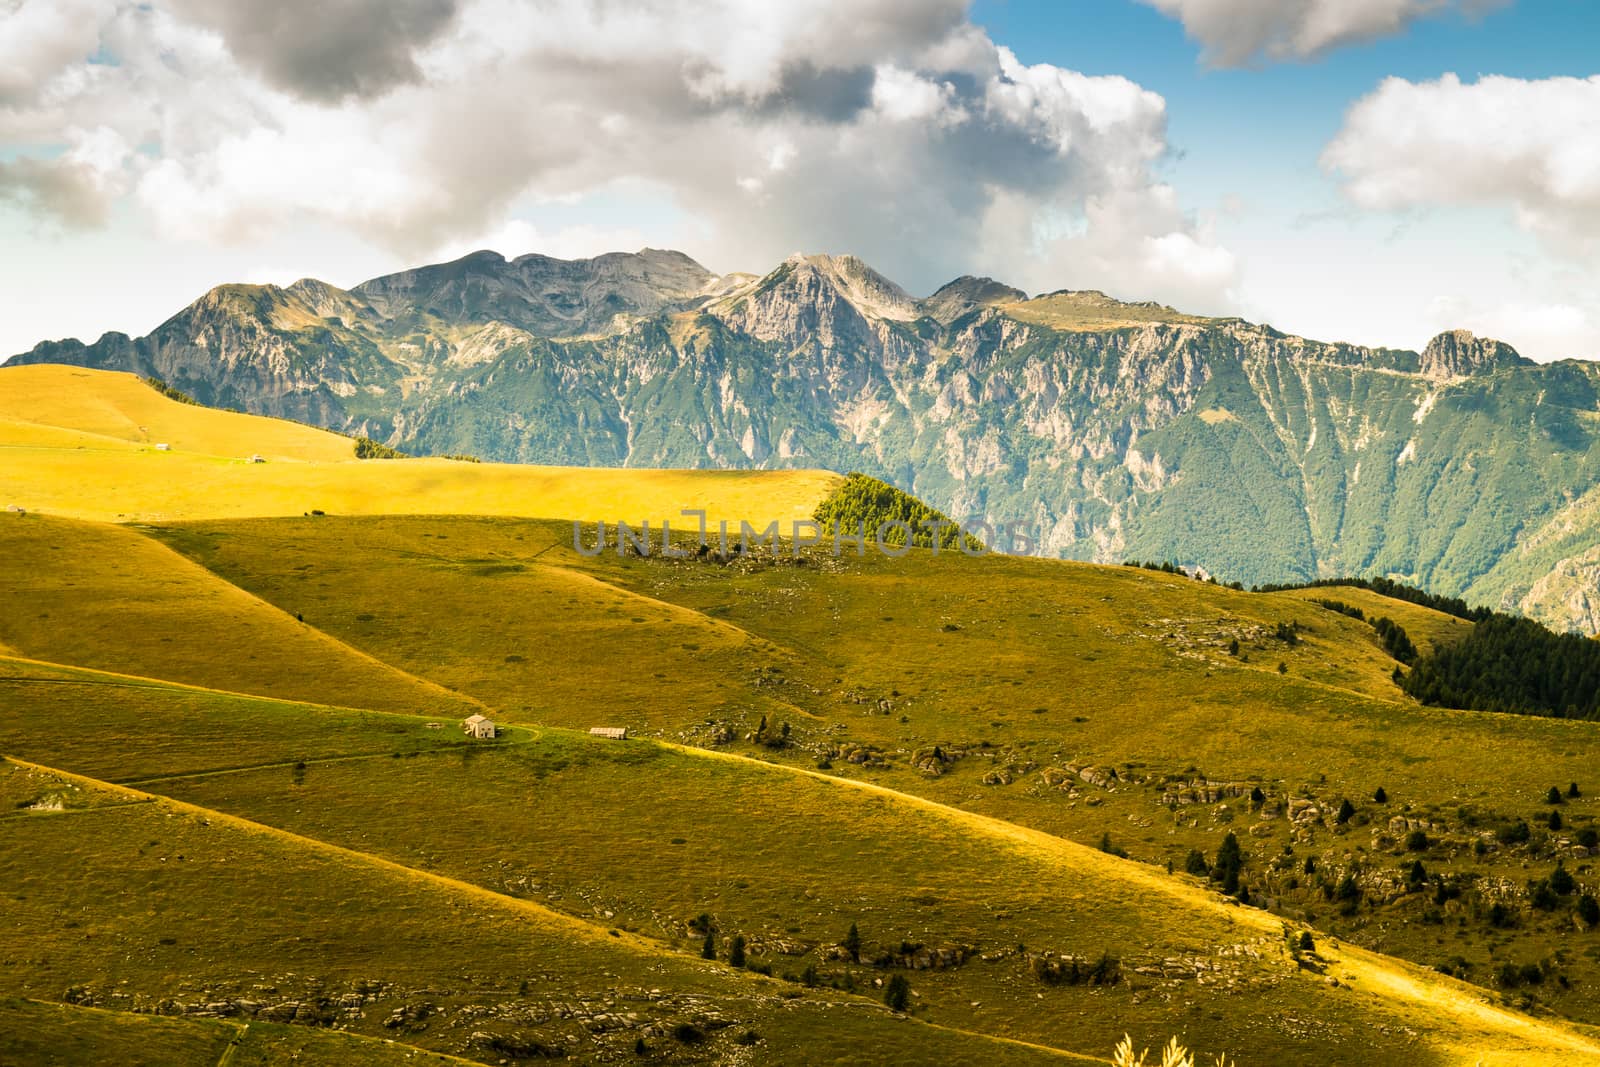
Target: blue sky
x=1225, y=156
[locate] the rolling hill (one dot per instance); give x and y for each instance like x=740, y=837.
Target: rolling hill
x=86, y=444
x=1016, y=780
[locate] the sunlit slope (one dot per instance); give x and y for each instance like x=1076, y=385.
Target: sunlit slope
x=1427, y=628
x=722, y=837
x=488, y=607
x=82, y=443
x=119, y=408
x=265, y=921
x=43, y=1034
x=1084, y=701
x=142, y=728
x=109, y=598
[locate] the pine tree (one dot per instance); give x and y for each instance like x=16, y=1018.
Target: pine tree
x=1572, y=790
x=852, y=943
x=898, y=995
x=1554, y=796
x=1346, y=810
x=1380, y=797
x=1230, y=860
x=708, y=947
x=736, y=951
x=1589, y=910
x=1415, y=876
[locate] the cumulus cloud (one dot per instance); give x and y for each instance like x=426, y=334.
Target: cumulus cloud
x=1237, y=32
x=895, y=129
x=325, y=51
x=1532, y=145
x=42, y=40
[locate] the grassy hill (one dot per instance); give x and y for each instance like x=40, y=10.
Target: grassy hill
x=976, y=910
x=82, y=443
x=1013, y=777
x=106, y=597
x=306, y=916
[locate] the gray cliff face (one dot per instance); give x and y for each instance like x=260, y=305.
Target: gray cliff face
x=1459, y=354
x=1113, y=429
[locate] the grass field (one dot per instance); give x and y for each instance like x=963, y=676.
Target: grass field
x=68, y=1035
x=242, y=726
x=306, y=917
x=1103, y=668
x=105, y=597
x=81, y=444
x=126, y=729
x=1090, y=310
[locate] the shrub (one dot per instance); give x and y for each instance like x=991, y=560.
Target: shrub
x=1417, y=841
x=1555, y=821
x=1589, y=910
x=898, y=994
x=1514, y=833
x=1107, y=847
x=708, y=947
x=1195, y=864
x=1107, y=970
x=1346, y=810
x=688, y=1034
x=1554, y=796
x=367, y=448
x=1380, y=797
x=1589, y=837
x=1561, y=882
x=736, y=951
x=1572, y=790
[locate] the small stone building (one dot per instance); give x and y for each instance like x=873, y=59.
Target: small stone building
x=478, y=726
x=613, y=733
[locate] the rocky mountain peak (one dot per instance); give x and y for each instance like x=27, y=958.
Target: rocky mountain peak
x=546, y=296
x=1461, y=354
x=869, y=292
x=966, y=293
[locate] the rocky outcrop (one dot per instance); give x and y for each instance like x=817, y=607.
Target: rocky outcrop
x=1460, y=354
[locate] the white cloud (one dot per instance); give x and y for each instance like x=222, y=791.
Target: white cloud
x=892, y=128
x=1237, y=32
x=43, y=39
x=1531, y=145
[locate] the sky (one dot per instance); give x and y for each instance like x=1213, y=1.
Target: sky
x=1372, y=171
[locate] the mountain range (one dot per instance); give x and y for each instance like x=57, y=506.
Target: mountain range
x=1113, y=429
